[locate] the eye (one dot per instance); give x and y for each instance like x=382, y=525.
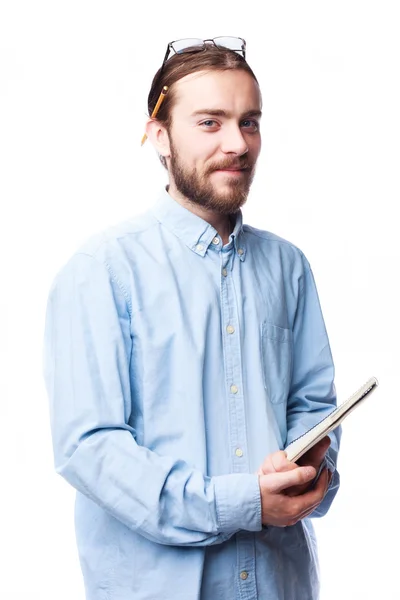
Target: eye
x=251, y=124
x=209, y=123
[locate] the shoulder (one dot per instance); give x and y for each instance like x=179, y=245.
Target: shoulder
x=107, y=255
x=270, y=244
x=107, y=244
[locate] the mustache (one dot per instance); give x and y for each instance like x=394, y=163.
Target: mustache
x=230, y=165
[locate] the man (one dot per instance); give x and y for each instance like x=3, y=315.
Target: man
x=184, y=350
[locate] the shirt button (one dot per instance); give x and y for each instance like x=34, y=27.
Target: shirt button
x=240, y=251
x=224, y=272
x=199, y=247
x=230, y=329
x=215, y=240
x=239, y=452
x=234, y=389
x=244, y=575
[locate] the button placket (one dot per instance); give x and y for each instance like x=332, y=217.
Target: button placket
x=246, y=560
x=231, y=339
x=233, y=368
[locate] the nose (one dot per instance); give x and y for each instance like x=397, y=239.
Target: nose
x=233, y=141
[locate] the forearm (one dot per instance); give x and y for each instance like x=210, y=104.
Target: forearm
x=162, y=499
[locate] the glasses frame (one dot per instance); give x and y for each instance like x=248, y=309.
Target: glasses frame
x=203, y=47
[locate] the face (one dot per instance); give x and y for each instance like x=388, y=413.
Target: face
x=215, y=140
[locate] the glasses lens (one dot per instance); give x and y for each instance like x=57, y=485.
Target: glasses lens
x=188, y=45
x=232, y=43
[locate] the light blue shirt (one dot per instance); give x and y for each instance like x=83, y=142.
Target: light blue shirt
x=174, y=365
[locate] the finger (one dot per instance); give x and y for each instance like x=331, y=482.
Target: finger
x=327, y=479
x=318, y=491
x=277, y=482
x=281, y=463
x=308, y=501
x=277, y=463
x=309, y=512
x=329, y=476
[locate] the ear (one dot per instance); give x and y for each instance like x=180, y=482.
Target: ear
x=158, y=136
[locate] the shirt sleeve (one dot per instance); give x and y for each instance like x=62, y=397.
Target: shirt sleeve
x=312, y=394
x=87, y=350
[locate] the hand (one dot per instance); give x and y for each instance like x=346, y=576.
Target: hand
x=278, y=462
x=281, y=510
x=313, y=458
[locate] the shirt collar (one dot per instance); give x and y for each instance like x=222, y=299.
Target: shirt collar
x=196, y=233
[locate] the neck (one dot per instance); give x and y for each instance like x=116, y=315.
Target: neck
x=222, y=223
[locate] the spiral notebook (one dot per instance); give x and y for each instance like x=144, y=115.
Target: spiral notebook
x=306, y=441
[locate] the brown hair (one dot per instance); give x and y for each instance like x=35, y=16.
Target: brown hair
x=212, y=58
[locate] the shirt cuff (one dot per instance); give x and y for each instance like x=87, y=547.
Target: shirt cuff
x=329, y=463
x=238, y=502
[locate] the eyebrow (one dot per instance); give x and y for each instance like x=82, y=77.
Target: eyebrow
x=223, y=113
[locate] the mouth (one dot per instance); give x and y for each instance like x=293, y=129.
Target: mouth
x=232, y=171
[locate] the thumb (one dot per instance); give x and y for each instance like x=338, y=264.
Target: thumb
x=277, y=482
x=281, y=463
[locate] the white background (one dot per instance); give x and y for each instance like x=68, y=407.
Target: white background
x=74, y=79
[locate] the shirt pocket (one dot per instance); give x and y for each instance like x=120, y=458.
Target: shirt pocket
x=277, y=353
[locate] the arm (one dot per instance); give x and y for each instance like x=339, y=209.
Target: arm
x=312, y=394
x=87, y=353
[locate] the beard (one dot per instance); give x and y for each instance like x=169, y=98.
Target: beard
x=197, y=187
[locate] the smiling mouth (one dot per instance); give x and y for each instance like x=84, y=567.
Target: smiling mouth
x=233, y=171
